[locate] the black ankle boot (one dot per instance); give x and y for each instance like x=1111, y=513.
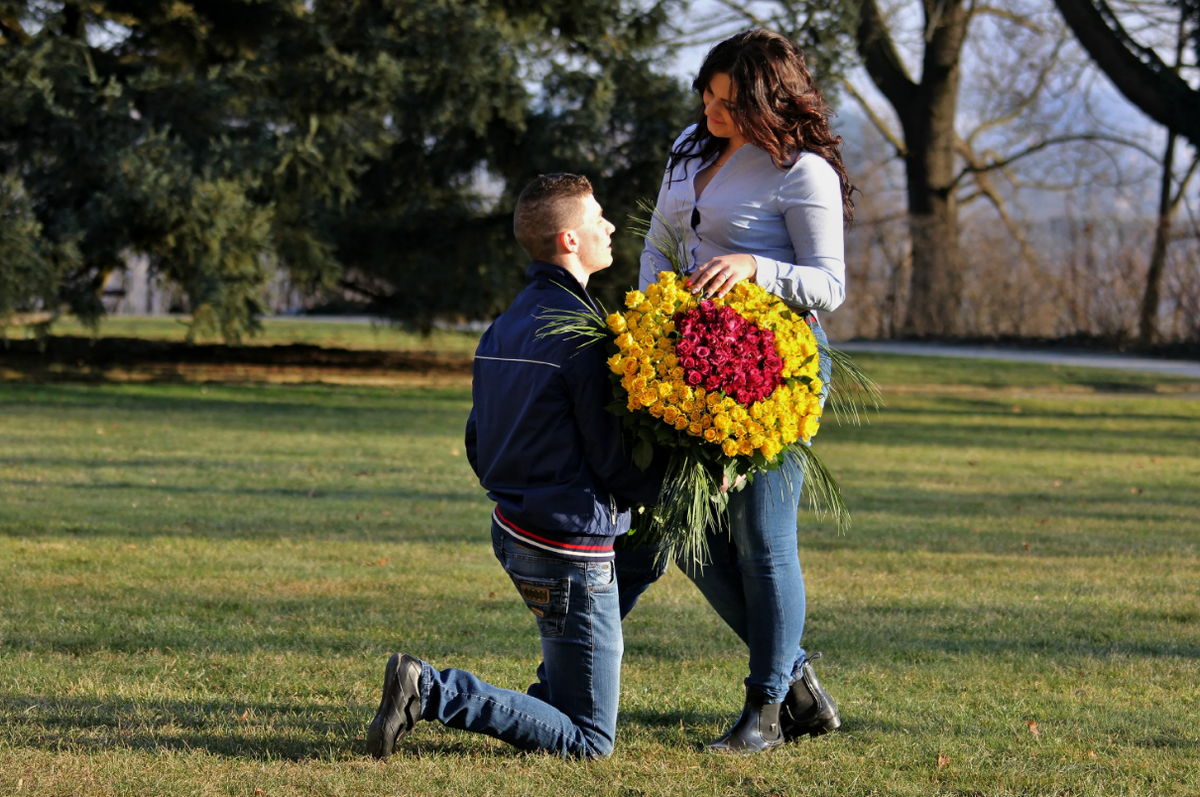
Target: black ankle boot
x=756, y=730
x=808, y=709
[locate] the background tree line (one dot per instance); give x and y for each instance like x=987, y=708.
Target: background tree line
x=371, y=146
x=375, y=147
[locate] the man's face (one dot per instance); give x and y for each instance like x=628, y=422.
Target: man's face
x=595, y=237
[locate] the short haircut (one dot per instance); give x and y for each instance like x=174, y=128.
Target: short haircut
x=549, y=205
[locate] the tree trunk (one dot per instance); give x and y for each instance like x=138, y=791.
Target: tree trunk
x=1148, y=321
x=935, y=294
x=926, y=110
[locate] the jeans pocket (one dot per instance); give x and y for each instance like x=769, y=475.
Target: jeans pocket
x=547, y=598
x=601, y=577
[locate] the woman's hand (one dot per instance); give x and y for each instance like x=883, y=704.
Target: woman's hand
x=719, y=275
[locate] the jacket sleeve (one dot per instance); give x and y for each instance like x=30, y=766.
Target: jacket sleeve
x=603, y=446
x=472, y=442
x=810, y=200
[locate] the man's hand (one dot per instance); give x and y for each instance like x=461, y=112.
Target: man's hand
x=719, y=275
x=725, y=486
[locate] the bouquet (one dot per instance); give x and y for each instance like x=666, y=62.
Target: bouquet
x=729, y=385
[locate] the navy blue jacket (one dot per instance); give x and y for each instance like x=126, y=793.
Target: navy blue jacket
x=539, y=437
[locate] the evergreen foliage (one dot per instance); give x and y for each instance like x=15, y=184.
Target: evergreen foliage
x=376, y=145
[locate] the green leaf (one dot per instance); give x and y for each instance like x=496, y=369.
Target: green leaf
x=643, y=454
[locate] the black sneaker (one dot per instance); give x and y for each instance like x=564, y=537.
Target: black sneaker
x=808, y=709
x=400, y=707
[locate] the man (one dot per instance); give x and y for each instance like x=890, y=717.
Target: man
x=552, y=460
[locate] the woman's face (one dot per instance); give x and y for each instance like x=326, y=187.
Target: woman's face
x=718, y=106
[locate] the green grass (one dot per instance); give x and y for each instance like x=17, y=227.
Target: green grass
x=199, y=587
x=281, y=332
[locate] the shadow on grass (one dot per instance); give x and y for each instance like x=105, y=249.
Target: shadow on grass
x=261, y=731
x=308, y=493
x=338, y=411
x=265, y=731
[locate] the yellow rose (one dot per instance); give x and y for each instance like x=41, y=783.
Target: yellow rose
x=657, y=410
x=616, y=364
x=729, y=448
x=624, y=340
x=633, y=299
x=695, y=430
x=670, y=414
x=681, y=422
x=710, y=435
x=616, y=322
x=808, y=427
x=630, y=366
x=722, y=421
x=744, y=448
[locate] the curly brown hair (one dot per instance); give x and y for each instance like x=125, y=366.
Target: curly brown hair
x=776, y=106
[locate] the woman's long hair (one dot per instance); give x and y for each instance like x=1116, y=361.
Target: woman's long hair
x=776, y=107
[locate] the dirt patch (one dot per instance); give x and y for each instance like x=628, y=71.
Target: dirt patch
x=80, y=359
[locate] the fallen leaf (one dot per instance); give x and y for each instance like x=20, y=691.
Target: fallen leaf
x=970, y=462
x=491, y=594
x=312, y=492
x=245, y=716
x=1033, y=727
x=1136, y=490
x=154, y=481
x=259, y=791
x=1091, y=754
x=454, y=452
x=1058, y=484
x=943, y=761
x=386, y=512
x=99, y=431
x=1017, y=408
x=1156, y=460
x=1026, y=545
x=1044, y=521
x=1137, y=464
x=358, y=516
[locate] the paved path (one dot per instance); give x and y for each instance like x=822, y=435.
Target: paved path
x=1081, y=359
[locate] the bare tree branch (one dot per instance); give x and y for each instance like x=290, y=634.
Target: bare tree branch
x=881, y=58
x=1137, y=71
x=1009, y=16
x=889, y=135
x=1050, y=66
x=975, y=166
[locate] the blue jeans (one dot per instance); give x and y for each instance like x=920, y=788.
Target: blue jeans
x=572, y=709
x=754, y=580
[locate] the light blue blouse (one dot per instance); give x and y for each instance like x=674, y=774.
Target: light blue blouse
x=789, y=220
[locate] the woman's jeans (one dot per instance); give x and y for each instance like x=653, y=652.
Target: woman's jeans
x=572, y=709
x=754, y=580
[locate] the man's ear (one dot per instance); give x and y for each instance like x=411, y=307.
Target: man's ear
x=567, y=242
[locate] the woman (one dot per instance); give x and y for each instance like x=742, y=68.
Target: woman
x=758, y=188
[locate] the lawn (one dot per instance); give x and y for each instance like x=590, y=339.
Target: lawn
x=282, y=331
x=199, y=586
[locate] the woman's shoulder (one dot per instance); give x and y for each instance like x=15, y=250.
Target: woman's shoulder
x=683, y=137
x=811, y=174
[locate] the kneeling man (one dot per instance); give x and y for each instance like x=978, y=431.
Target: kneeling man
x=552, y=460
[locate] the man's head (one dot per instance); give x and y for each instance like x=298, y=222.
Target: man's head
x=559, y=221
